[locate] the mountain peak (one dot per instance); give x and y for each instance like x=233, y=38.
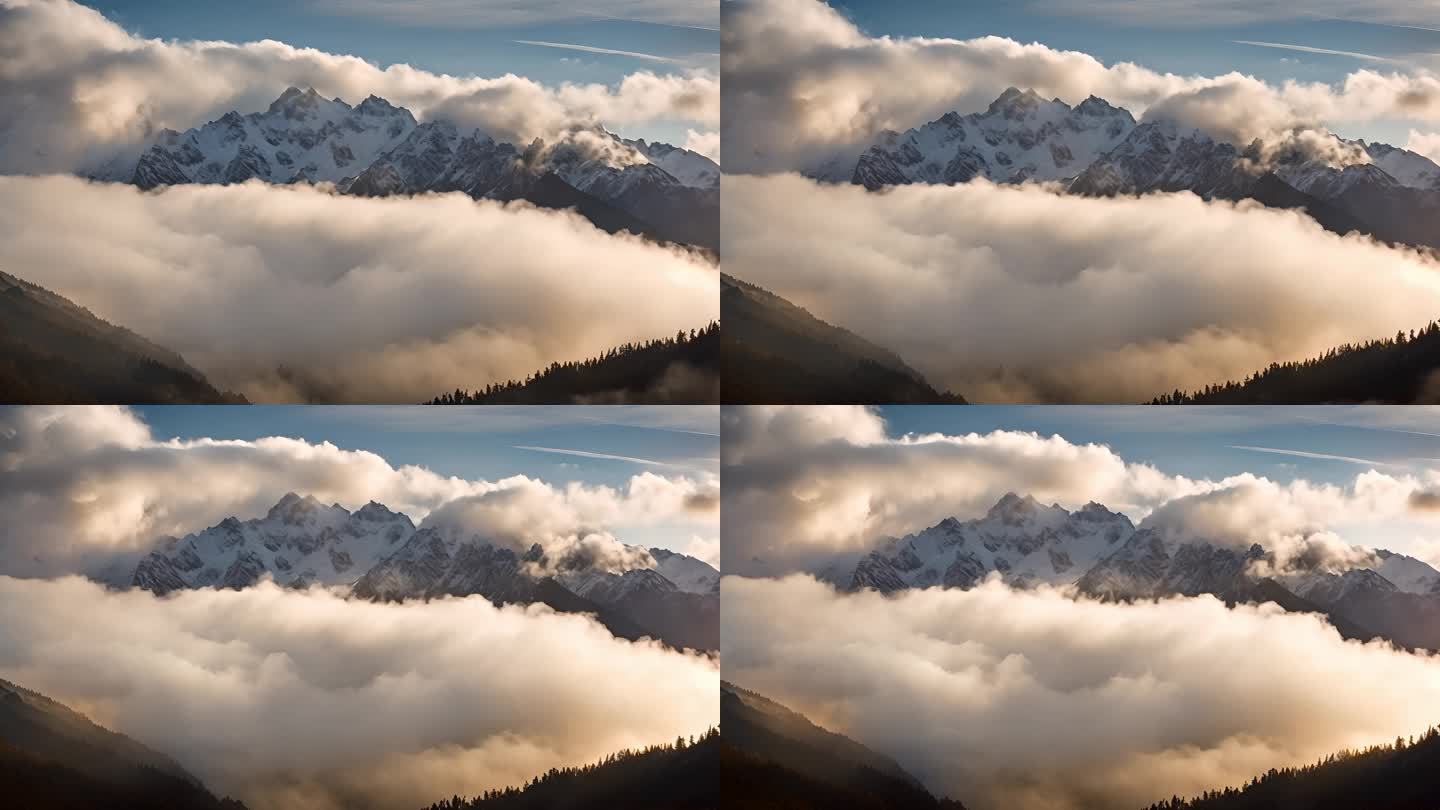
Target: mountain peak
x=1016, y=100
x=295, y=101
x=1012, y=504
x=292, y=506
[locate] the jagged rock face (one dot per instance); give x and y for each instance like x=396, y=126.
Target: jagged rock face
x=1159, y=156
x=1025, y=541
x=1020, y=137
x=299, y=542
x=439, y=157
x=302, y=137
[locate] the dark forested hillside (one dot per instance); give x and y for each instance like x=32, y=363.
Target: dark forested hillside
x=775, y=758
x=684, y=775
x=1402, y=776
x=681, y=370
x=52, y=350
x=775, y=353
x=1401, y=371
x=52, y=758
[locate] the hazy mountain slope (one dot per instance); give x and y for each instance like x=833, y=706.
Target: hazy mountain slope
x=52, y=350
x=1390, y=777
x=777, y=758
x=776, y=352
x=680, y=370
x=667, y=777
x=53, y=757
x=1403, y=370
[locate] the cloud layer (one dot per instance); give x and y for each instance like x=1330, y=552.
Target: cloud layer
x=370, y=300
x=802, y=84
x=807, y=487
x=293, y=700
x=1025, y=294
x=1033, y=701
x=79, y=90
x=87, y=490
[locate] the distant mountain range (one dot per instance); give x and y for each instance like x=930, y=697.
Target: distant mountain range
x=53, y=350
x=1097, y=149
x=683, y=370
x=1105, y=555
x=53, y=758
x=380, y=554
x=377, y=149
x=773, y=757
x=682, y=776
x=775, y=352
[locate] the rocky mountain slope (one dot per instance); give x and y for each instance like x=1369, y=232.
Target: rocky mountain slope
x=376, y=553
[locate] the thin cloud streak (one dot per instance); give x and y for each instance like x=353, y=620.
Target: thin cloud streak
x=1369, y=57
x=1304, y=454
x=592, y=49
x=587, y=454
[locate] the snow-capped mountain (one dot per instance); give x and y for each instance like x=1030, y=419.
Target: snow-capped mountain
x=690, y=168
x=378, y=149
x=688, y=573
x=1409, y=168
x=1022, y=539
x=1097, y=149
x=299, y=542
x=1020, y=137
x=302, y=137
x=1102, y=554
x=378, y=554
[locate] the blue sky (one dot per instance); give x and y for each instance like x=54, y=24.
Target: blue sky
x=481, y=442
x=1189, y=46
x=1206, y=441
x=443, y=37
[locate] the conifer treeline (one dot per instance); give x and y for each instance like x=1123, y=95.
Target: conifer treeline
x=632, y=367
x=1398, y=776
x=680, y=775
x=1399, y=370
